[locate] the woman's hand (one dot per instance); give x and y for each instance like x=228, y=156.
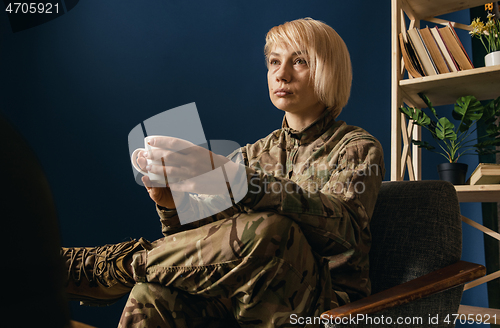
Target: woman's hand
x=186, y=166
x=160, y=195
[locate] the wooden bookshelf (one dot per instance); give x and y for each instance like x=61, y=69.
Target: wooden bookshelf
x=421, y=9
x=479, y=193
x=480, y=315
x=443, y=89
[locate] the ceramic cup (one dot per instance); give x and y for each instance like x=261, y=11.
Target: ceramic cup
x=158, y=178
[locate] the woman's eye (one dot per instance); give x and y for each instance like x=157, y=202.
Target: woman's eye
x=300, y=61
x=273, y=62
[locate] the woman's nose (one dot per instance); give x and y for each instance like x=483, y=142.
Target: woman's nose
x=284, y=74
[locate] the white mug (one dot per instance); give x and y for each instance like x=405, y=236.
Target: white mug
x=158, y=178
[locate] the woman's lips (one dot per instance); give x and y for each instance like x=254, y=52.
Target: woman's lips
x=282, y=92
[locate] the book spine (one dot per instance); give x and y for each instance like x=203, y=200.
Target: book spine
x=444, y=50
x=421, y=52
x=434, y=51
x=454, y=48
x=431, y=60
x=460, y=44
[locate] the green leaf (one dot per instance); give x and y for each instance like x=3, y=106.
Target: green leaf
x=423, y=144
x=488, y=143
x=496, y=105
x=467, y=110
x=489, y=112
x=428, y=103
x=445, y=129
x=492, y=129
x=416, y=115
x=487, y=151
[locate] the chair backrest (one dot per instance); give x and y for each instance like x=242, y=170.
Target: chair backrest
x=416, y=229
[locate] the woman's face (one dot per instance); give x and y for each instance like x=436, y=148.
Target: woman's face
x=288, y=79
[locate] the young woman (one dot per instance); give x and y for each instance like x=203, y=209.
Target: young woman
x=297, y=243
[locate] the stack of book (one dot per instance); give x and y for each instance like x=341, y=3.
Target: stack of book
x=431, y=51
x=485, y=174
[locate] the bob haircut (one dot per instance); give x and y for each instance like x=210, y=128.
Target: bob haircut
x=327, y=56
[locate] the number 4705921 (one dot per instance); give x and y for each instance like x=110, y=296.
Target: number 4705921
x=32, y=8
x=470, y=318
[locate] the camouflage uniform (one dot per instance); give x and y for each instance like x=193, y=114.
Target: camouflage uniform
x=295, y=246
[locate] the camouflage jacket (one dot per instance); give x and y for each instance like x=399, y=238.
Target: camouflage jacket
x=326, y=178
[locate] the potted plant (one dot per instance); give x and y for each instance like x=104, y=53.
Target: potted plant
x=489, y=34
x=455, y=142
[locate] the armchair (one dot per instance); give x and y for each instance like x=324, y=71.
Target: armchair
x=33, y=270
x=416, y=230
x=415, y=266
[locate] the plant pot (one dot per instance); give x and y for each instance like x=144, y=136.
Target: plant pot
x=453, y=172
x=491, y=59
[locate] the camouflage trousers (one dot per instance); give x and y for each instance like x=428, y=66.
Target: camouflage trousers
x=251, y=270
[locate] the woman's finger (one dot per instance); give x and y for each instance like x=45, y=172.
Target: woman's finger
x=171, y=143
x=173, y=173
x=146, y=182
x=168, y=156
x=142, y=162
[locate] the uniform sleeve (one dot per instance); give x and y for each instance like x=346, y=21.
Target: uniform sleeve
x=334, y=216
x=170, y=222
x=169, y=219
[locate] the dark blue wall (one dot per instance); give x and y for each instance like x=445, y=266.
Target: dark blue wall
x=77, y=85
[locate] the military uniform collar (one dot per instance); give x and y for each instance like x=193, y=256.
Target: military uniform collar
x=313, y=130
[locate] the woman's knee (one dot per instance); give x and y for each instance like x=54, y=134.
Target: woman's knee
x=272, y=234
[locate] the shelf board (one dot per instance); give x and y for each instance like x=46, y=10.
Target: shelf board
x=444, y=89
x=491, y=316
x=424, y=8
x=479, y=193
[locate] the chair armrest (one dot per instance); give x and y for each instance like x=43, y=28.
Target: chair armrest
x=434, y=282
x=77, y=324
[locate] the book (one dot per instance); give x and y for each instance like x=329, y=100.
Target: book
x=422, y=52
x=455, y=49
x=413, y=55
x=428, y=52
x=460, y=43
x=434, y=51
x=411, y=64
x=452, y=65
x=485, y=174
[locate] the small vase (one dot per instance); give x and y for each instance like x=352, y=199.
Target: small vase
x=453, y=172
x=491, y=59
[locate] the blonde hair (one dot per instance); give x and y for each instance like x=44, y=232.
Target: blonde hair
x=328, y=58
